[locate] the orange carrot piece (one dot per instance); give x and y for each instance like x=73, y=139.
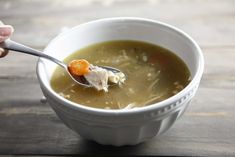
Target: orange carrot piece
x=79, y=67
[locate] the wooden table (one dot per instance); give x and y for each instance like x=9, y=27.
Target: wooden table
x=30, y=127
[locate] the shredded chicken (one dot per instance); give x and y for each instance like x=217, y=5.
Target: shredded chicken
x=99, y=77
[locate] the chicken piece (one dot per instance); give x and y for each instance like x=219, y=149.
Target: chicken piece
x=97, y=77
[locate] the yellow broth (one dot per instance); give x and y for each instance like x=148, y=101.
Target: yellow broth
x=153, y=74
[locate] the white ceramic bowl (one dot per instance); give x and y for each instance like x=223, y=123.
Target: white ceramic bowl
x=122, y=127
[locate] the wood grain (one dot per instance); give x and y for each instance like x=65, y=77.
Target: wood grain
x=208, y=21
x=29, y=127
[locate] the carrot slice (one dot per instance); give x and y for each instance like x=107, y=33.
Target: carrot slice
x=79, y=67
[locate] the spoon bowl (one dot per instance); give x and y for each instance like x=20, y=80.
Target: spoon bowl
x=85, y=83
x=12, y=45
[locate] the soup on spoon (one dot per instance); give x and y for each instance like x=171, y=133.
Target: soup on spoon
x=97, y=77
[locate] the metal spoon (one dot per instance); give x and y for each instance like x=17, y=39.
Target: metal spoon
x=12, y=45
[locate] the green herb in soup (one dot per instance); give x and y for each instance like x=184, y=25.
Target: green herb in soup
x=153, y=74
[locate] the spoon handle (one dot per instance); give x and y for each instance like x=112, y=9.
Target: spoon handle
x=12, y=45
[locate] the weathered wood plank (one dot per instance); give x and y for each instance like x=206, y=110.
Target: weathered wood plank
x=29, y=127
x=207, y=128
x=37, y=22
x=20, y=89
x=18, y=65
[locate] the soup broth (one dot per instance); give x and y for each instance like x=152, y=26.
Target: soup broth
x=152, y=74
